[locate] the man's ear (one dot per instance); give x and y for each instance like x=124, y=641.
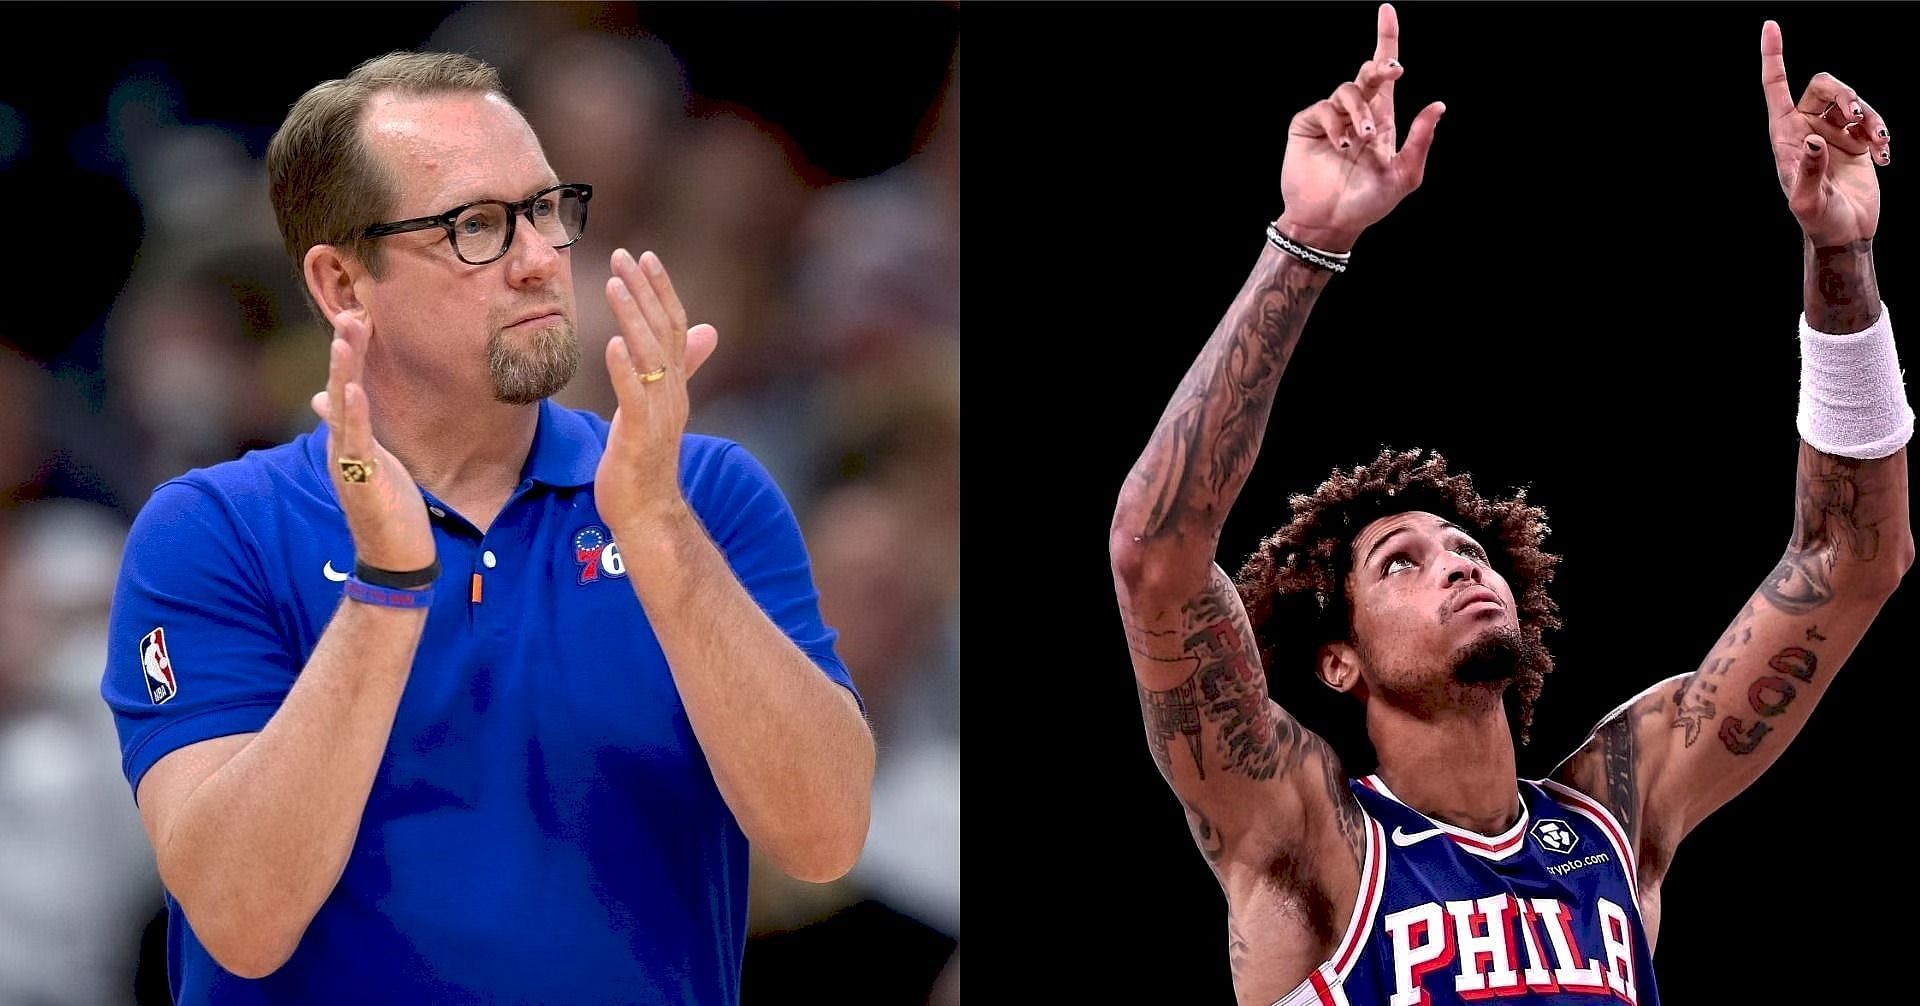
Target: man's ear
x=331, y=276
x=1339, y=668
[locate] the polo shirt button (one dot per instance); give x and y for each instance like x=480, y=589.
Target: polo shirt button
x=487, y=558
x=436, y=511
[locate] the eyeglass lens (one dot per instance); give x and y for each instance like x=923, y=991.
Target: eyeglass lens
x=481, y=232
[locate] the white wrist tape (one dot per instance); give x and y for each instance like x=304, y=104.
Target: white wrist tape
x=1853, y=403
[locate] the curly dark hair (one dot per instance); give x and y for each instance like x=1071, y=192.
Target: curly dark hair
x=1294, y=584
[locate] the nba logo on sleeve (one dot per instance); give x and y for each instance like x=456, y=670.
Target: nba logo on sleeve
x=159, y=669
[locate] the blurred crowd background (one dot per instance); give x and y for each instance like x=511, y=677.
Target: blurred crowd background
x=798, y=171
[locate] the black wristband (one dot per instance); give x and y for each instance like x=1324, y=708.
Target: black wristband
x=412, y=580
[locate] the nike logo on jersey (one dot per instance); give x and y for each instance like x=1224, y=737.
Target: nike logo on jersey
x=1402, y=839
x=332, y=574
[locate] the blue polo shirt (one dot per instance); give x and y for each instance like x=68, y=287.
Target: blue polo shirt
x=543, y=827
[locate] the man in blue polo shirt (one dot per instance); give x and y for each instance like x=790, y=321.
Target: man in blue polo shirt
x=465, y=696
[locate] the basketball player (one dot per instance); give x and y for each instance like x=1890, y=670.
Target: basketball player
x=1439, y=877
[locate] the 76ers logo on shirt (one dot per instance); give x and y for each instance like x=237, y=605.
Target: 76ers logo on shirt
x=596, y=553
x=1555, y=835
x=158, y=669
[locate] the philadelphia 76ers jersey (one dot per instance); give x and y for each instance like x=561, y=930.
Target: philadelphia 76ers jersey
x=1545, y=912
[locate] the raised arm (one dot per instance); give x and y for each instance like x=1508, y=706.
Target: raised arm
x=1241, y=765
x=1689, y=744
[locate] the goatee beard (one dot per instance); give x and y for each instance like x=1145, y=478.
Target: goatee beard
x=1492, y=658
x=524, y=375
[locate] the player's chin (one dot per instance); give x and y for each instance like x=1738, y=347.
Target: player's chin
x=1490, y=654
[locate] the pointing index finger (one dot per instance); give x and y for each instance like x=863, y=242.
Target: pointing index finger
x=1773, y=71
x=1387, y=45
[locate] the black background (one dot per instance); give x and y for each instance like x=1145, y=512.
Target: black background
x=1594, y=295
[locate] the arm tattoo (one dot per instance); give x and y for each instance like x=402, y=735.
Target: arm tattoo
x=1169, y=477
x=1252, y=365
x=1739, y=633
x=1171, y=714
x=1826, y=526
x=1843, y=294
x=1142, y=642
x=1238, y=957
x=1212, y=844
x=1253, y=739
x=1800, y=583
x=1770, y=696
x=1347, y=815
x=1234, y=699
x=1619, y=785
x=1256, y=740
x=1228, y=692
x=1693, y=705
x=1205, y=443
x=1607, y=766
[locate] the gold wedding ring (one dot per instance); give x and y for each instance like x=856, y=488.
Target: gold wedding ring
x=356, y=470
x=657, y=373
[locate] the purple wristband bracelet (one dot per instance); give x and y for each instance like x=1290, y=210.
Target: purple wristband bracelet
x=367, y=593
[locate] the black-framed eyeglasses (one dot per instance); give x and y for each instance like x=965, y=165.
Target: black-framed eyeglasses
x=482, y=231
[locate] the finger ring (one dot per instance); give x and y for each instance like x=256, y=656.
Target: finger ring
x=653, y=375
x=355, y=470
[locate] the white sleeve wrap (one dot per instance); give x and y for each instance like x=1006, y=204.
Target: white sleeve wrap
x=1853, y=403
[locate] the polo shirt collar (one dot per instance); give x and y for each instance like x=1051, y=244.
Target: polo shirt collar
x=566, y=451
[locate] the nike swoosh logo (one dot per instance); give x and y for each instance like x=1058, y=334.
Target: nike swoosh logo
x=333, y=574
x=1403, y=839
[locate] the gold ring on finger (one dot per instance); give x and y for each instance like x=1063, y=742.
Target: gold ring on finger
x=656, y=374
x=355, y=470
